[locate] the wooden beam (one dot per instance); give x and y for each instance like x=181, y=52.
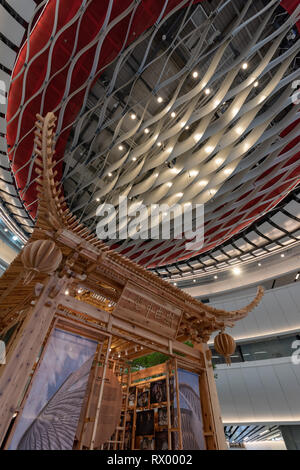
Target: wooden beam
x=154, y=370
x=103, y=316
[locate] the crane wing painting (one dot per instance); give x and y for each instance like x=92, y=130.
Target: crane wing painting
x=51, y=413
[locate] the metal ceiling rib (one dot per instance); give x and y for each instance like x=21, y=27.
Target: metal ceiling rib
x=236, y=434
x=254, y=243
x=91, y=198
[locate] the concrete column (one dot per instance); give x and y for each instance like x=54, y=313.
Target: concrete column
x=291, y=436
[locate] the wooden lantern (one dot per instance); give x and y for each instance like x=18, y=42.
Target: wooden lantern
x=40, y=256
x=225, y=345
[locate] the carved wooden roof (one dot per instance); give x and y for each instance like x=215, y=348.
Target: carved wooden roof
x=105, y=272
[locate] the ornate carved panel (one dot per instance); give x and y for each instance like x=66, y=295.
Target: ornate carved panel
x=149, y=310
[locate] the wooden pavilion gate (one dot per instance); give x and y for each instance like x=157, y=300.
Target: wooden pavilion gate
x=66, y=279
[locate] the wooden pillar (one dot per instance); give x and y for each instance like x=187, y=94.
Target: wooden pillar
x=212, y=419
x=167, y=364
x=134, y=422
x=176, y=385
x=25, y=351
x=98, y=409
x=85, y=412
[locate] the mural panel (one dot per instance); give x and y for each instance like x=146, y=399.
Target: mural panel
x=51, y=413
x=190, y=410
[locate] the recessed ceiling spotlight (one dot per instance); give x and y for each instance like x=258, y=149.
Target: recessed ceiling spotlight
x=203, y=183
x=133, y=116
x=212, y=191
x=67, y=292
x=297, y=276
x=169, y=184
x=239, y=130
x=207, y=91
x=228, y=171
x=158, y=144
x=121, y=147
x=259, y=264
x=182, y=124
x=282, y=255
x=97, y=199
x=197, y=137
x=236, y=271
x=215, y=277
x=110, y=174
x=15, y=238
x=193, y=172
x=194, y=280
x=195, y=74
x=133, y=159
x=6, y=230
x=169, y=149
x=244, y=66
x=219, y=161
x=159, y=99
x=146, y=131
x=209, y=148
x=187, y=128
x=175, y=283
x=173, y=114
x=255, y=84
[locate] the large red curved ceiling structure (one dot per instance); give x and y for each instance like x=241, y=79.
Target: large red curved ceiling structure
x=36, y=88
x=26, y=99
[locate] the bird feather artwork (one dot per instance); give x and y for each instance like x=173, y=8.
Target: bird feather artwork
x=55, y=426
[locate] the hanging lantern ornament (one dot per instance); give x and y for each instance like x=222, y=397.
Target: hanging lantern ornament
x=40, y=256
x=225, y=345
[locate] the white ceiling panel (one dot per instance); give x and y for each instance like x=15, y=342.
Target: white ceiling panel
x=24, y=8
x=7, y=56
x=259, y=392
x=10, y=28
